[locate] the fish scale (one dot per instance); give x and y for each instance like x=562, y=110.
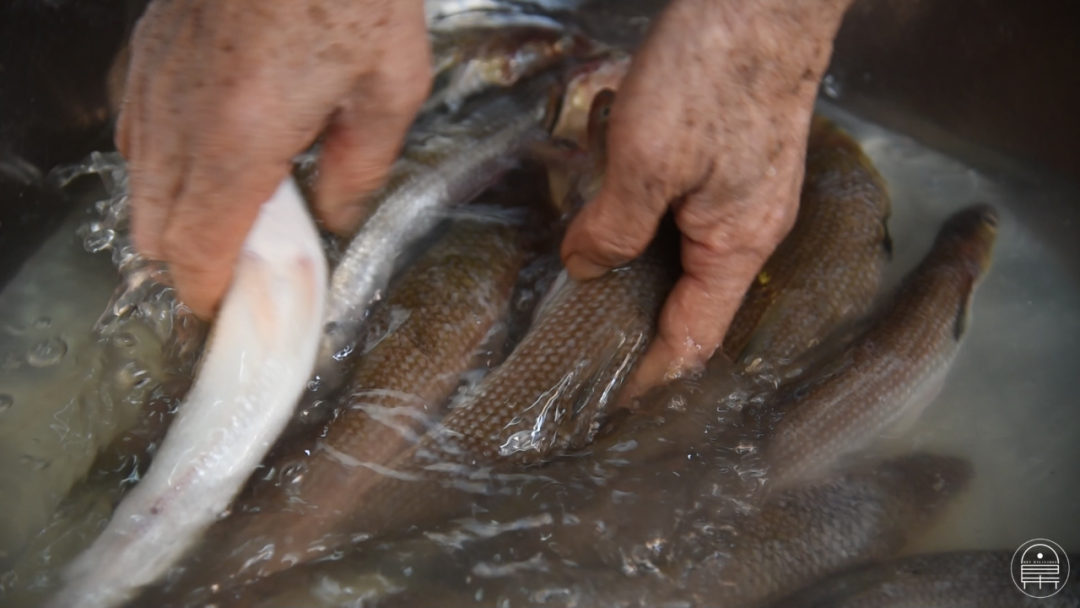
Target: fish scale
x=895, y=367
x=828, y=269
x=446, y=161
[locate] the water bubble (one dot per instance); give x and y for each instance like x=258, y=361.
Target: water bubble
x=99, y=240
x=46, y=353
x=42, y=323
x=831, y=87
x=124, y=340
x=6, y=401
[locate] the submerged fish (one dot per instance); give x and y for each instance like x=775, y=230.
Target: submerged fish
x=255, y=368
x=866, y=512
x=444, y=163
x=828, y=268
x=894, y=368
x=960, y=579
x=422, y=338
x=809, y=531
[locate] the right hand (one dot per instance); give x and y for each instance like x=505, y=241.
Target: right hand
x=221, y=94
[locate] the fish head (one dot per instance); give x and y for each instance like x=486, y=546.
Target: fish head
x=970, y=235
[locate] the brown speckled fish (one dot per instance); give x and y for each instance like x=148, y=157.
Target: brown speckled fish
x=954, y=579
x=421, y=339
x=864, y=513
x=893, y=368
x=828, y=269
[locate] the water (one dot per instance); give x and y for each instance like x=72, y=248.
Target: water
x=1009, y=404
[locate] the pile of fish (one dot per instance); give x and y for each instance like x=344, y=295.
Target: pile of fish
x=430, y=412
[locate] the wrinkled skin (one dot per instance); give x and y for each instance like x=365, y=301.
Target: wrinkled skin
x=711, y=122
x=221, y=94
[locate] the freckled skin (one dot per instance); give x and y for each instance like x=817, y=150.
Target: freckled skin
x=710, y=122
x=220, y=95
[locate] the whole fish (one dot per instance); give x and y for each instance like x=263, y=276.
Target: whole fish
x=960, y=579
x=444, y=163
x=257, y=364
x=866, y=512
x=893, y=368
x=422, y=338
x=828, y=268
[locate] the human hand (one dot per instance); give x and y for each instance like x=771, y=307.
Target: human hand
x=711, y=121
x=221, y=94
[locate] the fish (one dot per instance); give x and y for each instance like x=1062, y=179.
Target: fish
x=445, y=15
x=445, y=163
x=828, y=268
x=422, y=338
x=866, y=513
x=552, y=392
x=892, y=369
x=260, y=354
x=470, y=61
x=953, y=579
x=857, y=515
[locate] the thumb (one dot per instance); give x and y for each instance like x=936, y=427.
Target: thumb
x=614, y=228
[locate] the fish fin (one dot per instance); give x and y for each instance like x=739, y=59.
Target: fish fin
x=963, y=316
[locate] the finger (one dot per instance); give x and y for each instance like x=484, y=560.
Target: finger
x=208, y=226
x=240, y=157
x=151, y=133
x=365, y=137
x=620, y=222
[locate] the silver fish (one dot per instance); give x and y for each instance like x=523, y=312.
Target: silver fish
x=256, y=367
x=444, y=163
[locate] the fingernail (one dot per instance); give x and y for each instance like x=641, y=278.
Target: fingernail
x=582, y=268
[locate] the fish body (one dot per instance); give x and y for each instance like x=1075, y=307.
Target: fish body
x=828, y=268
x=422, y=338
x=468, y=62
x=550, y=394
x=257, y=364
x=864, y=513
x=957, y=579
x=444, y=163
x=893, y=368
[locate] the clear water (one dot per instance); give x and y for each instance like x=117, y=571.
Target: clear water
x=1009, y=404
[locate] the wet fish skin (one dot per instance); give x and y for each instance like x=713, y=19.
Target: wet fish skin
x=863, y=513
x=422, y=337
x=468, y=62
x=812, y=530
x=958, y=579
x=259, y=357
x=828, y=268
x=892, y=369
x=548, y=397
x=444, y=163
